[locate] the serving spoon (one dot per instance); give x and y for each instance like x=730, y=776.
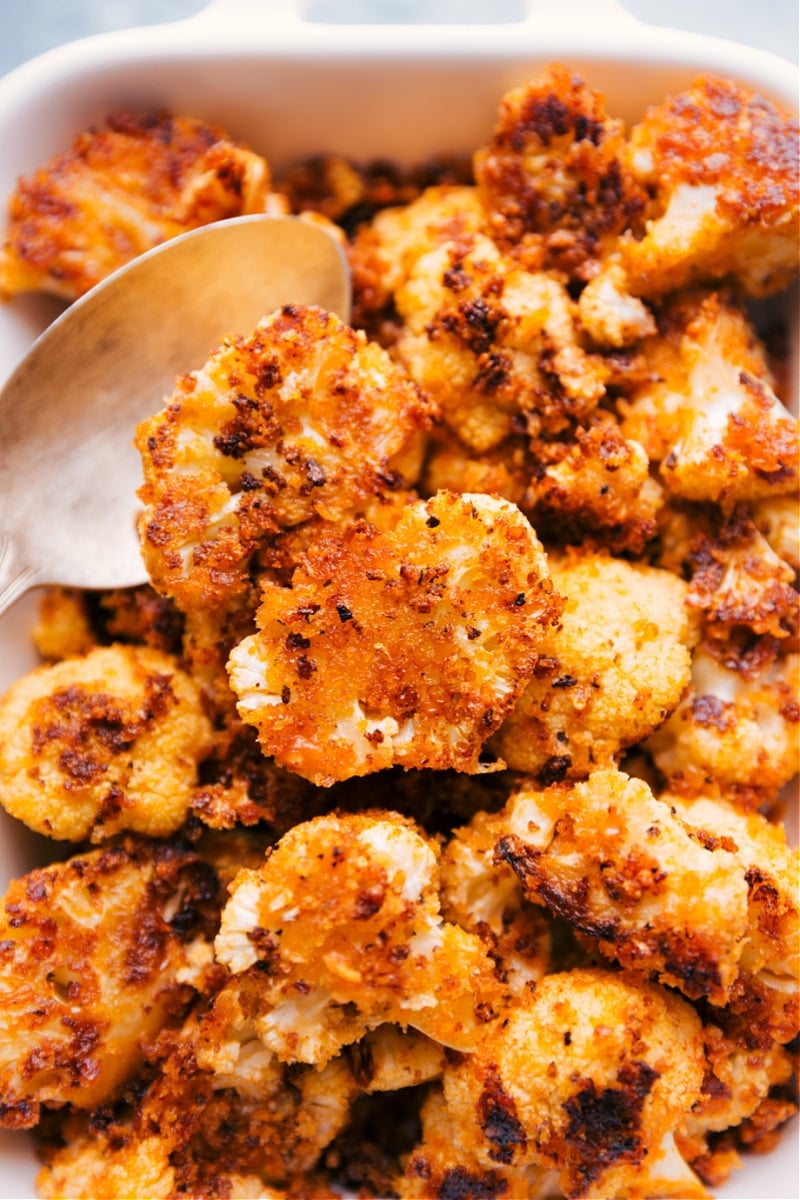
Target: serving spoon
x=68, y=468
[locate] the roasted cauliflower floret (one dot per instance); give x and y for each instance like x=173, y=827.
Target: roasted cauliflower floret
x=494, y=344
x=589, y=1075
x=554, y=172
x=621, y=867
x=255, y=1130
x=109, y=741
x=385, y=250
x=607, y=675
x=707, y=412
x=484, y=895
x=93, y=956
x=117, y=192
x=723, y=165
x=301, y=418
x=596, y=489
x=340, y=931
x=735, y=728
x=70, y=621
x=406, y=647
x=610, y=315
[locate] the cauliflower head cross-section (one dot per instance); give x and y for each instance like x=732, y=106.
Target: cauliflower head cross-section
x=406, y=646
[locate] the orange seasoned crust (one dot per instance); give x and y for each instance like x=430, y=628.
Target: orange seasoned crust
x=119, y=191
x=303, y=418
x=91, y=954
x=103, y=742
x=404, y=647
x=723, y=163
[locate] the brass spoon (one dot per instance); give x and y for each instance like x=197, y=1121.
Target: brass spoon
x=68, y=469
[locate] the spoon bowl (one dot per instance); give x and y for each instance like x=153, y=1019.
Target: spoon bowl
x=68, y=469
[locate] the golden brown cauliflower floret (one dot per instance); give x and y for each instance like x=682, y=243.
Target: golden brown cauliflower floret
x=405, y=647
x=736, y=580
x=598, y=490
x=301, y=418
x=554, y=172
x=707, y=412
x=590, y=1075
x=251, y=1129
x=495, y=344
x=484, y=896
x=736, y=728
x=340, y=931
x=117, y=192
x=93, y=955
x=70, y=621
x=607, y=675
x=384, y=251
x=723, y=164
x=93, y=745
x=617, y=864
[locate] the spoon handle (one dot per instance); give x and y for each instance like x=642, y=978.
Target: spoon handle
x=15, y=578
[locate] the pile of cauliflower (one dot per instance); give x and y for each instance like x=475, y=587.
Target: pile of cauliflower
x=421, y=824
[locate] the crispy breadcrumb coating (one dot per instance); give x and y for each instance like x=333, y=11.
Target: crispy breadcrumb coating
x=707, y=412
x=301, y=418
x=607, y=675
x=722, y=163
x=554, y=172
x=109, y=741
x=119, y=191
x=94, y=956
x=589, y=1075
x=495, y=344
x=407, y=647
x=341, y=931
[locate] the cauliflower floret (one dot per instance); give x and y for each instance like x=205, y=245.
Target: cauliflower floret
x=119, y=191
x=388, y=1058
x=778, y=519
x=610, y=314
x=406, y=647
x=384, y=251
x=494, y=343
x=195, y=1131
x=598, y=489
x=723, y=164
x=707, y=412
x=589, y=1075
x=93, y=745
x=554, y=173
x=70, y=622
x=736, y=728
x=735, y=578
x=618, y=865
x=92, y=955
x=484, y=896
x=340, y=931
x=607, y=675
x=301, y=418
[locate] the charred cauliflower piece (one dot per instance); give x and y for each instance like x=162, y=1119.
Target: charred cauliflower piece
x=340, y=931
x=622, y=868
x=607, y=675
x=736, y=728
x=302, y=418
x=405, y=647
x=589, y=1076
x=707, y=412
x=555, y=173
x=109, y=741
x=119, y=191
x=723, y=165
x=93, y=956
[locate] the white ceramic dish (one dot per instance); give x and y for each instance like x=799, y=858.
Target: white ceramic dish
x=292, y=86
